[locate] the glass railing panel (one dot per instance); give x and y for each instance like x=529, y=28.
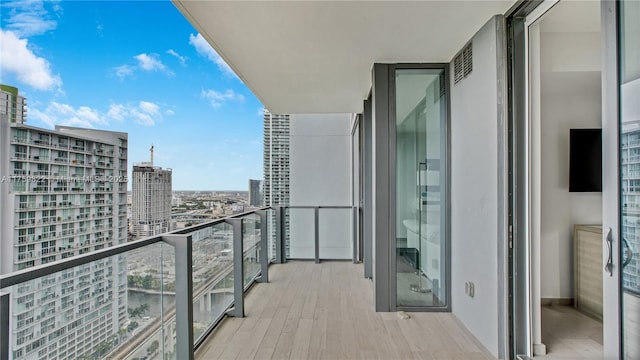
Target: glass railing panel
x=108, y=308
x=299, y=231
x=165, y=336
x=335, y=233
x=151, y=304
x=251, y=242
x=212, y=256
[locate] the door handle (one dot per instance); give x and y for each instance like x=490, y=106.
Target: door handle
x=609, y=266
x=628, y=253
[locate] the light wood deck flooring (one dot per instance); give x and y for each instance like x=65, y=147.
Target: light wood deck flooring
x=570, y=334
x=325, y=311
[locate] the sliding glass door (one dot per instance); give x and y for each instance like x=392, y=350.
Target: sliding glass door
x=629, y=147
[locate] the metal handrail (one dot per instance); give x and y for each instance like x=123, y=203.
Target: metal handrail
x=39, y=271
x=319, y=207
x=182, y=243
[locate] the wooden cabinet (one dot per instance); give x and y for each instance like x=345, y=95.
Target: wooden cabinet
x=588, y=268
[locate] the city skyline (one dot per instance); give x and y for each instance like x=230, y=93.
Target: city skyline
x=111, y=66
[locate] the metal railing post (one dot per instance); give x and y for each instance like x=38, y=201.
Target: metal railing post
x=238, y=269
x=280, y=258
x=317, y=233
x=354, y=213
x=4, y=326
x=264, y=252
x=184, y=294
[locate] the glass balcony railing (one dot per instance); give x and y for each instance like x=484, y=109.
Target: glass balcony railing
x=157, y=297
x=319, y=232
x=212, y=256
x=251, y=235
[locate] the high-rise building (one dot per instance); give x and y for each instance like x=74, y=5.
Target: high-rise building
x=12, y=104
x=255, y=192
x=276, y=159
x=275, y=190
x=151, y=199
x=629, y=157
x=63, y=194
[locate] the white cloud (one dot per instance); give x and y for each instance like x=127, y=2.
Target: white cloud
x=17, y=58
x=64, y=114
x=144, y=113
x=117, y=112
x=149, y=107
x=203, y=48
x=182, y=59
x=29, y=17
x=142, y=118
x=123, y=71
x=170, y=112
x=145, y=62
x=218, y=98
x=150, y=62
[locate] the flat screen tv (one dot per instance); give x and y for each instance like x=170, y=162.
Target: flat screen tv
x=585, y=160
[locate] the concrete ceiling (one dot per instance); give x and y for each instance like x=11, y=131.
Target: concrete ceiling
x=316, y=56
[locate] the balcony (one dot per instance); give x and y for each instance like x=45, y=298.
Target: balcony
x=216, y=275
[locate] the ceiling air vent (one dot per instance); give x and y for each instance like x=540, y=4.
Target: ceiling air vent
x=463, y=64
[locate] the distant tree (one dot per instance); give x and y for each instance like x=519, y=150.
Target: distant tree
x=101, y=349
x=132, y=326
x=154, y=346
x=121, y=333
x=138, y=311
x=147, y=282
x=171, y=286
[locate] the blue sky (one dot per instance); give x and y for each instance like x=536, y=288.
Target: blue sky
x=137, y=67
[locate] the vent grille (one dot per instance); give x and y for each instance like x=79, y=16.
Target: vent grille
x=467, y=54
x=458, y=72
x=463, y=64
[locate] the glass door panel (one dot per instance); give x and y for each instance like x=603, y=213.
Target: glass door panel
x=420, y=216
x=629, y=57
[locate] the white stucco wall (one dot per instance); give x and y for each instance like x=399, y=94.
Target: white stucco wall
x=474, y=191
x=320, y=175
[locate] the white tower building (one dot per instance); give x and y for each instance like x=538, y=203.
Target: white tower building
x=63, y=194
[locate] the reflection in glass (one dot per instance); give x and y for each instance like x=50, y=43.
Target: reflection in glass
x=630, y=175
x=212, y=254
x=251, y=242
x=109, y=308
x=271, y=235
x=420, y=248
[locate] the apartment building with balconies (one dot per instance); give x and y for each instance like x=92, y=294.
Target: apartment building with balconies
x=63, y=194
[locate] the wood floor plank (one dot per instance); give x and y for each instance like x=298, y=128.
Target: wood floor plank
x=217, y=342
x=301, y=340
x=270, y=340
